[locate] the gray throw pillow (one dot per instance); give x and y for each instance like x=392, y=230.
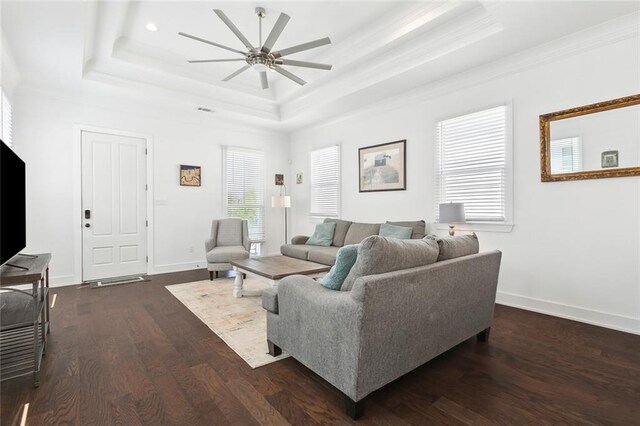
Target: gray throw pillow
x=457, y=246
x=323, y=235
x=377, y=255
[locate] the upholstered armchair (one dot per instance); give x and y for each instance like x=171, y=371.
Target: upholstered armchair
x=229, y=241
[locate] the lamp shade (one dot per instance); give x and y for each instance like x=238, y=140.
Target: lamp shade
x=281, y=201
x=452, y=213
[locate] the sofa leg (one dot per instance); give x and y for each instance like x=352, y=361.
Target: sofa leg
x=483, y=336
x=355, y=410
x=274, y=350
x=210, y=275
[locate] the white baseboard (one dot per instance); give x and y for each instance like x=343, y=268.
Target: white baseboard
x=178, y=267
x=575, y=313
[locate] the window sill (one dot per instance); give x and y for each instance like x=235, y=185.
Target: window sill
x=479, y=226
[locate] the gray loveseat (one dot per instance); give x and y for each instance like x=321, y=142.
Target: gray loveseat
x=383, y=325
x=346, y=233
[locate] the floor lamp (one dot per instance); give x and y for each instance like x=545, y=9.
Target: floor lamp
x=282, y=201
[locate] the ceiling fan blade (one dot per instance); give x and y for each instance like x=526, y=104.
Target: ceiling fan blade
x=290, y=76
x=302, y=47
x=234, y=29
x=211, y=43
x=263, y=80
x=202, y=61
x=241, y=70
x=304, y=64
x=275, y=32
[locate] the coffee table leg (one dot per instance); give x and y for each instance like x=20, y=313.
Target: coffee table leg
x=238, y=283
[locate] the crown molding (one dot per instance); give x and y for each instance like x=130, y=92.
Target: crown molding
x=469, y=28
x=153, y=108
x=607, y=33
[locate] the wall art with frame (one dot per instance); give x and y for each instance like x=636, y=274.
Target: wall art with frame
x=383, y=167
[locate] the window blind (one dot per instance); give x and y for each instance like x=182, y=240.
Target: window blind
x=471, y=164
x=245, y=188
x=5, y=116
x=325, y=182
x=566, y=155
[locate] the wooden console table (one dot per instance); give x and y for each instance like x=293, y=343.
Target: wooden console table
x=24, y=315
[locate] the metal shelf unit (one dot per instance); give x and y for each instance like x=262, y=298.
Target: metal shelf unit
x=24, y=316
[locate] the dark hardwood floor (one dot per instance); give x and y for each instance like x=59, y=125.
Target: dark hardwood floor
x=133, y=354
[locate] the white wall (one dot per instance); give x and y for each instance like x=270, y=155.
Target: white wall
x=574, y=249
x=46, y=137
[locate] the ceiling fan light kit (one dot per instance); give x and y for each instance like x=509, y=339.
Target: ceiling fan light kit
x=262, y=58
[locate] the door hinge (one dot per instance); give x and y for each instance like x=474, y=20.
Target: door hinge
x=147, y=223
x=147, y=259
x=146, y=151
x=146, y=186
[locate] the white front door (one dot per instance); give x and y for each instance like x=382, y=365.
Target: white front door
x=114, y=208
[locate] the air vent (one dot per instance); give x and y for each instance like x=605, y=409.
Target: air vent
x=203, y=109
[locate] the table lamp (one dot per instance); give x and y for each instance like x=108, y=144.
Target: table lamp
x=451, y=213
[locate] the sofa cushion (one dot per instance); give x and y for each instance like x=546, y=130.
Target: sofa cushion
x=323, y=235
x=342, y=226
x=395, y=231
x=345, y=258
x=226, y=254
x=457, y=246
x=299, y=251
x=417, y=226
x=324, y=255
x=270, y=299
x=359, y=231
x=377, y=255
x=229, y=232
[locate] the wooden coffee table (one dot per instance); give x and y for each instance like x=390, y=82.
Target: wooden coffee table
x=273, y=269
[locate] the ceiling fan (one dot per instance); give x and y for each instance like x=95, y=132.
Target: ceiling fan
x=263, y=58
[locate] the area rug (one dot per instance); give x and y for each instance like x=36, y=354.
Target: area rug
x=241, y=323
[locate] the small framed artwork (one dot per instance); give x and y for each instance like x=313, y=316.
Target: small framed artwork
x=383, y=167
x=299, y=178
x=189, y=175
x=279, y=180
x=609, y=159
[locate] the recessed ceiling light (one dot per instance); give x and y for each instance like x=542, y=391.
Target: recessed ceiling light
x=151, y=26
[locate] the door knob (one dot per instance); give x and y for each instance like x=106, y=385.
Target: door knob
x=87, y=225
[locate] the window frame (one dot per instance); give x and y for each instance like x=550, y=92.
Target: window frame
x=319, y=218
x=508, y=223
x=259, y=243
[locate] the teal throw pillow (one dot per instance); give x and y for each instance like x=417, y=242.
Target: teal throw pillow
x=323, y=235
x=345, y=258
x=395, y=231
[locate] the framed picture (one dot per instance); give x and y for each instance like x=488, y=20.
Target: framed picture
x=609, y=159
x=383, y=167
x=189, y=175
x=279, y=180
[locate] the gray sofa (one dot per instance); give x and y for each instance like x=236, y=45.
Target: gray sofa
x=346, y=233
x=388, y=323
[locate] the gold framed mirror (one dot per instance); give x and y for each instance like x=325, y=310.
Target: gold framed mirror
x=600, y=140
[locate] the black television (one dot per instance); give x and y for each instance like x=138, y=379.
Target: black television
x=13, y=223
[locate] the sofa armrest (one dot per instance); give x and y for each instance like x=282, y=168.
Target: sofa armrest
x=209, y=244
x=299, y=239
x=320, y=328
x=425, y=311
